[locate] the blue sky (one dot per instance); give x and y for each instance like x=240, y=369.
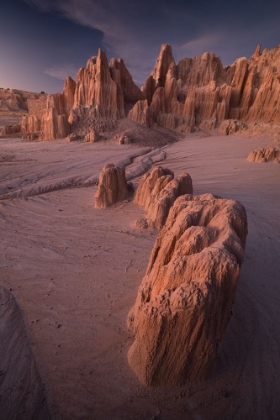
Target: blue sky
x=43, y=41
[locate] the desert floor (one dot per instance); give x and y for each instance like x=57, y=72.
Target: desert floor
x=70, y=274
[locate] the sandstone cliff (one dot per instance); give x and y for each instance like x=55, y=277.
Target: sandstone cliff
x=196, y=92
x=200, y=91
x=99, y=97
x=184, y=302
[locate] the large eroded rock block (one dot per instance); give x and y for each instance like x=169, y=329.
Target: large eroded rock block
x=112, y=186
x=185, y=299
x=157, y=192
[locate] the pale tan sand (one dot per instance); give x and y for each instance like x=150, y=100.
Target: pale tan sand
x=75, y=271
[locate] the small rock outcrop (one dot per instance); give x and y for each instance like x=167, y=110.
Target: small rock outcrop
x=157, y=192
x=112, y=186
x=269, y=154
x=185, y=299
x=92, y=137
x=228, y=127
x=122, y=139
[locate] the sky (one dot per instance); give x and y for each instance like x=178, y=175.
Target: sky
x=44, y=41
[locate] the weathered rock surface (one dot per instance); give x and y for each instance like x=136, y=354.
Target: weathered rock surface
x=16, y=101
x=184, y=302
x=100, y=95
x=112, y=186
x=196, y=92
x=157, y=192
x=10, y=129
x=269, y=154
x=122, y=138
x=201, y=91
x=92, y=137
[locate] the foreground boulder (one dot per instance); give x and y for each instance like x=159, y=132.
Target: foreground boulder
x=185, y=299
x=262, y=155
x=112, y=186
x=157, y=192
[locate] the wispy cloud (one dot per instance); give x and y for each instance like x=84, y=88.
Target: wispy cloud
x=198, y=46
x=124, y=35
x=135, y=30
x=61, y=72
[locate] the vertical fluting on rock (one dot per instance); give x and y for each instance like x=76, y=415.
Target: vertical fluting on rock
x=184, y=302
x=112, y=186
x=157, y=192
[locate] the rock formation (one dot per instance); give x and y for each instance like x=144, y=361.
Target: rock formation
x=200, y=91
x=16, y=101
x=262, y=155
x=122, y=139
x=92, y=137
x=112, y=186
x=184, y=301
x=196, y=92
x=157, y=192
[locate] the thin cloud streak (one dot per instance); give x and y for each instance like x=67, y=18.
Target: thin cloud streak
x=134, y=33
x=61, y=72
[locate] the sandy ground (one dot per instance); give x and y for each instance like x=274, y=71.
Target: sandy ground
x=74, y=272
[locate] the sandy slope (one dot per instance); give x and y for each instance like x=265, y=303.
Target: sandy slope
x=75, y=270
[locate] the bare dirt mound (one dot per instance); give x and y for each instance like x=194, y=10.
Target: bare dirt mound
x=144, y=136
x=21, y=389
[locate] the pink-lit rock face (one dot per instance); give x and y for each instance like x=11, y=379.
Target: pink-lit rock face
x=112, y=186
x=157, y=192
x=184, y=301
x=269, y=154
x=199, y=90
x=196, y=92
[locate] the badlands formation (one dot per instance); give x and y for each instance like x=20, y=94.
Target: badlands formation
x=195, y=93
x=184, y=302
x=94, y=220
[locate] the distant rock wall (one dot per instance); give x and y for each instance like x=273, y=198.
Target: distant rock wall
x=16, y=101
x=184, y=302
x=201, y=91
x=196, y=92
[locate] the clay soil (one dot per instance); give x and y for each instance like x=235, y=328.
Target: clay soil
x=70, y=274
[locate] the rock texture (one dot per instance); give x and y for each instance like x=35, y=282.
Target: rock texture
x=99, y=97
x=157, y=192
x=184, y=302
x=262, y=155
x=200, y=91
x=122, y=139
x=197, y=92
x=16, y=101
x=92, y=137
x=112, y=186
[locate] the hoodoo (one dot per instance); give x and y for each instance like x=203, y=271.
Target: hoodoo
x=184, y=302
